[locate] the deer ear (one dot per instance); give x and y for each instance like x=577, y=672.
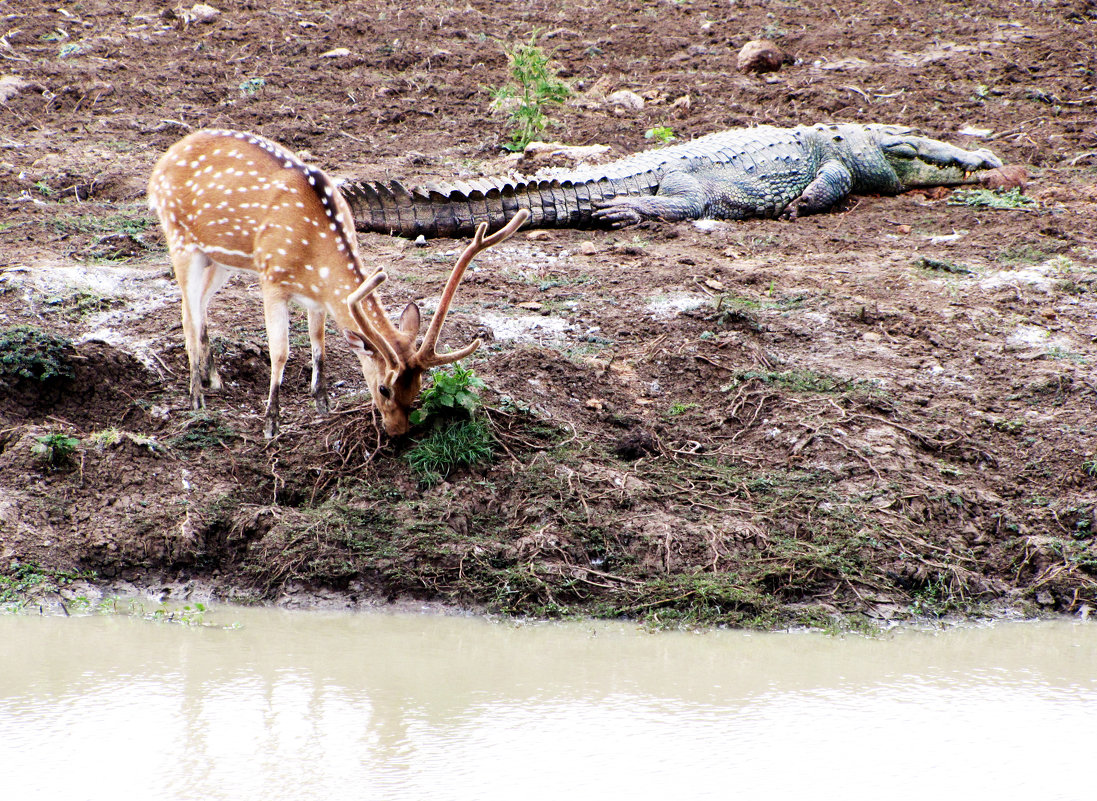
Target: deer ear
x=357, y=342
x=410, y=319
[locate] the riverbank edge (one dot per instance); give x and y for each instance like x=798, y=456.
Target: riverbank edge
x=185, y=600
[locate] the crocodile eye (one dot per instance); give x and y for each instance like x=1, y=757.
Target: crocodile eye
x=385, y=391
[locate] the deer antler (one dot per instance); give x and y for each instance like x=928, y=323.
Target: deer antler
x=427, y=356
x=380, y=345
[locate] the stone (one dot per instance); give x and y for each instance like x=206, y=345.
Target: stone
x=760, y=55
x=626, y=99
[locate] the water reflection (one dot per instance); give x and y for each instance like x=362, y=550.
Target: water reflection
x=309, y=705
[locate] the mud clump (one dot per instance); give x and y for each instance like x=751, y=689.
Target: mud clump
x=637, y=443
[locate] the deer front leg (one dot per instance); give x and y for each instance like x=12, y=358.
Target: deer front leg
x=190, y=272
x=319, y=387
x=276, y=312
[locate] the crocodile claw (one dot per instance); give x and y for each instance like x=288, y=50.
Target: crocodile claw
x=616, y=213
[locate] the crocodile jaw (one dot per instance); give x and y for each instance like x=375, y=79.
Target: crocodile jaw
x=913, y=172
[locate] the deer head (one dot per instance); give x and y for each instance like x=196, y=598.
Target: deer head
x=233, y=200
x=393, y=366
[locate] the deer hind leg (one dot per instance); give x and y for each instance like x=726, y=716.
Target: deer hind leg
x=319, y=388
x=276, y=312
x=214, y=278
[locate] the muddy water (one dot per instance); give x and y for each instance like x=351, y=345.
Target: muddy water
x=293, y=705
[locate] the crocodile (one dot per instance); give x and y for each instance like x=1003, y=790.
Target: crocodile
x=762, y=171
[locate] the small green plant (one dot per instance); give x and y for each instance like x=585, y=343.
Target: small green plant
x=28, y=352
x=252, y=86
x=80, y=304
x=536, y=87
x=1089, y=467
x=55, y=449
x=988, y=198
x=940, y=265
x=453, y=390
x=931, y=600
x=21, y=582
x=458, y=436
x=188, y=616
x=661, y=134
x=1014, y=426
x=203, y=430
x=105, y=438
x=680, y=408
x=1022, y=254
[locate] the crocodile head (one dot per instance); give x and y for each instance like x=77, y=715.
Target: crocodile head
x=920, y=161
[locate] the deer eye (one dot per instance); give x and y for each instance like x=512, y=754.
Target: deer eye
x=385, y=391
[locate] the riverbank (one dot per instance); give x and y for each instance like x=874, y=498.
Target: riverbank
x=866, y=416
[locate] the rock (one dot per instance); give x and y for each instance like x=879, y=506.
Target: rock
x=972, y=130
x=338, y=52
x=200, y=12
x=760, y=55
x=626, y=99
x=559, y=150
x=11, y=85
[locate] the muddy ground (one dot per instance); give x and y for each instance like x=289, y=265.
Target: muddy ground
x=882, y=412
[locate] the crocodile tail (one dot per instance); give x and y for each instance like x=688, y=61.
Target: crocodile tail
x=457, y=209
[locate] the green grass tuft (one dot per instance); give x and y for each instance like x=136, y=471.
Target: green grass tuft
x=988, y=198
x=203, y=430
x=460, y=443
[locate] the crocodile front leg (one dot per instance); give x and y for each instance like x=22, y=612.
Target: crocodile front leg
x=832, y=184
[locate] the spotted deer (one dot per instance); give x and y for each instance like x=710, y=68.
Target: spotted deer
x=229, y=200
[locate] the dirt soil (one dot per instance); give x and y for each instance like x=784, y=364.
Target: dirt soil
x=882, y=412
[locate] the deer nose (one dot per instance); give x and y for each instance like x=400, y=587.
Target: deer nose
x=397, y=427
